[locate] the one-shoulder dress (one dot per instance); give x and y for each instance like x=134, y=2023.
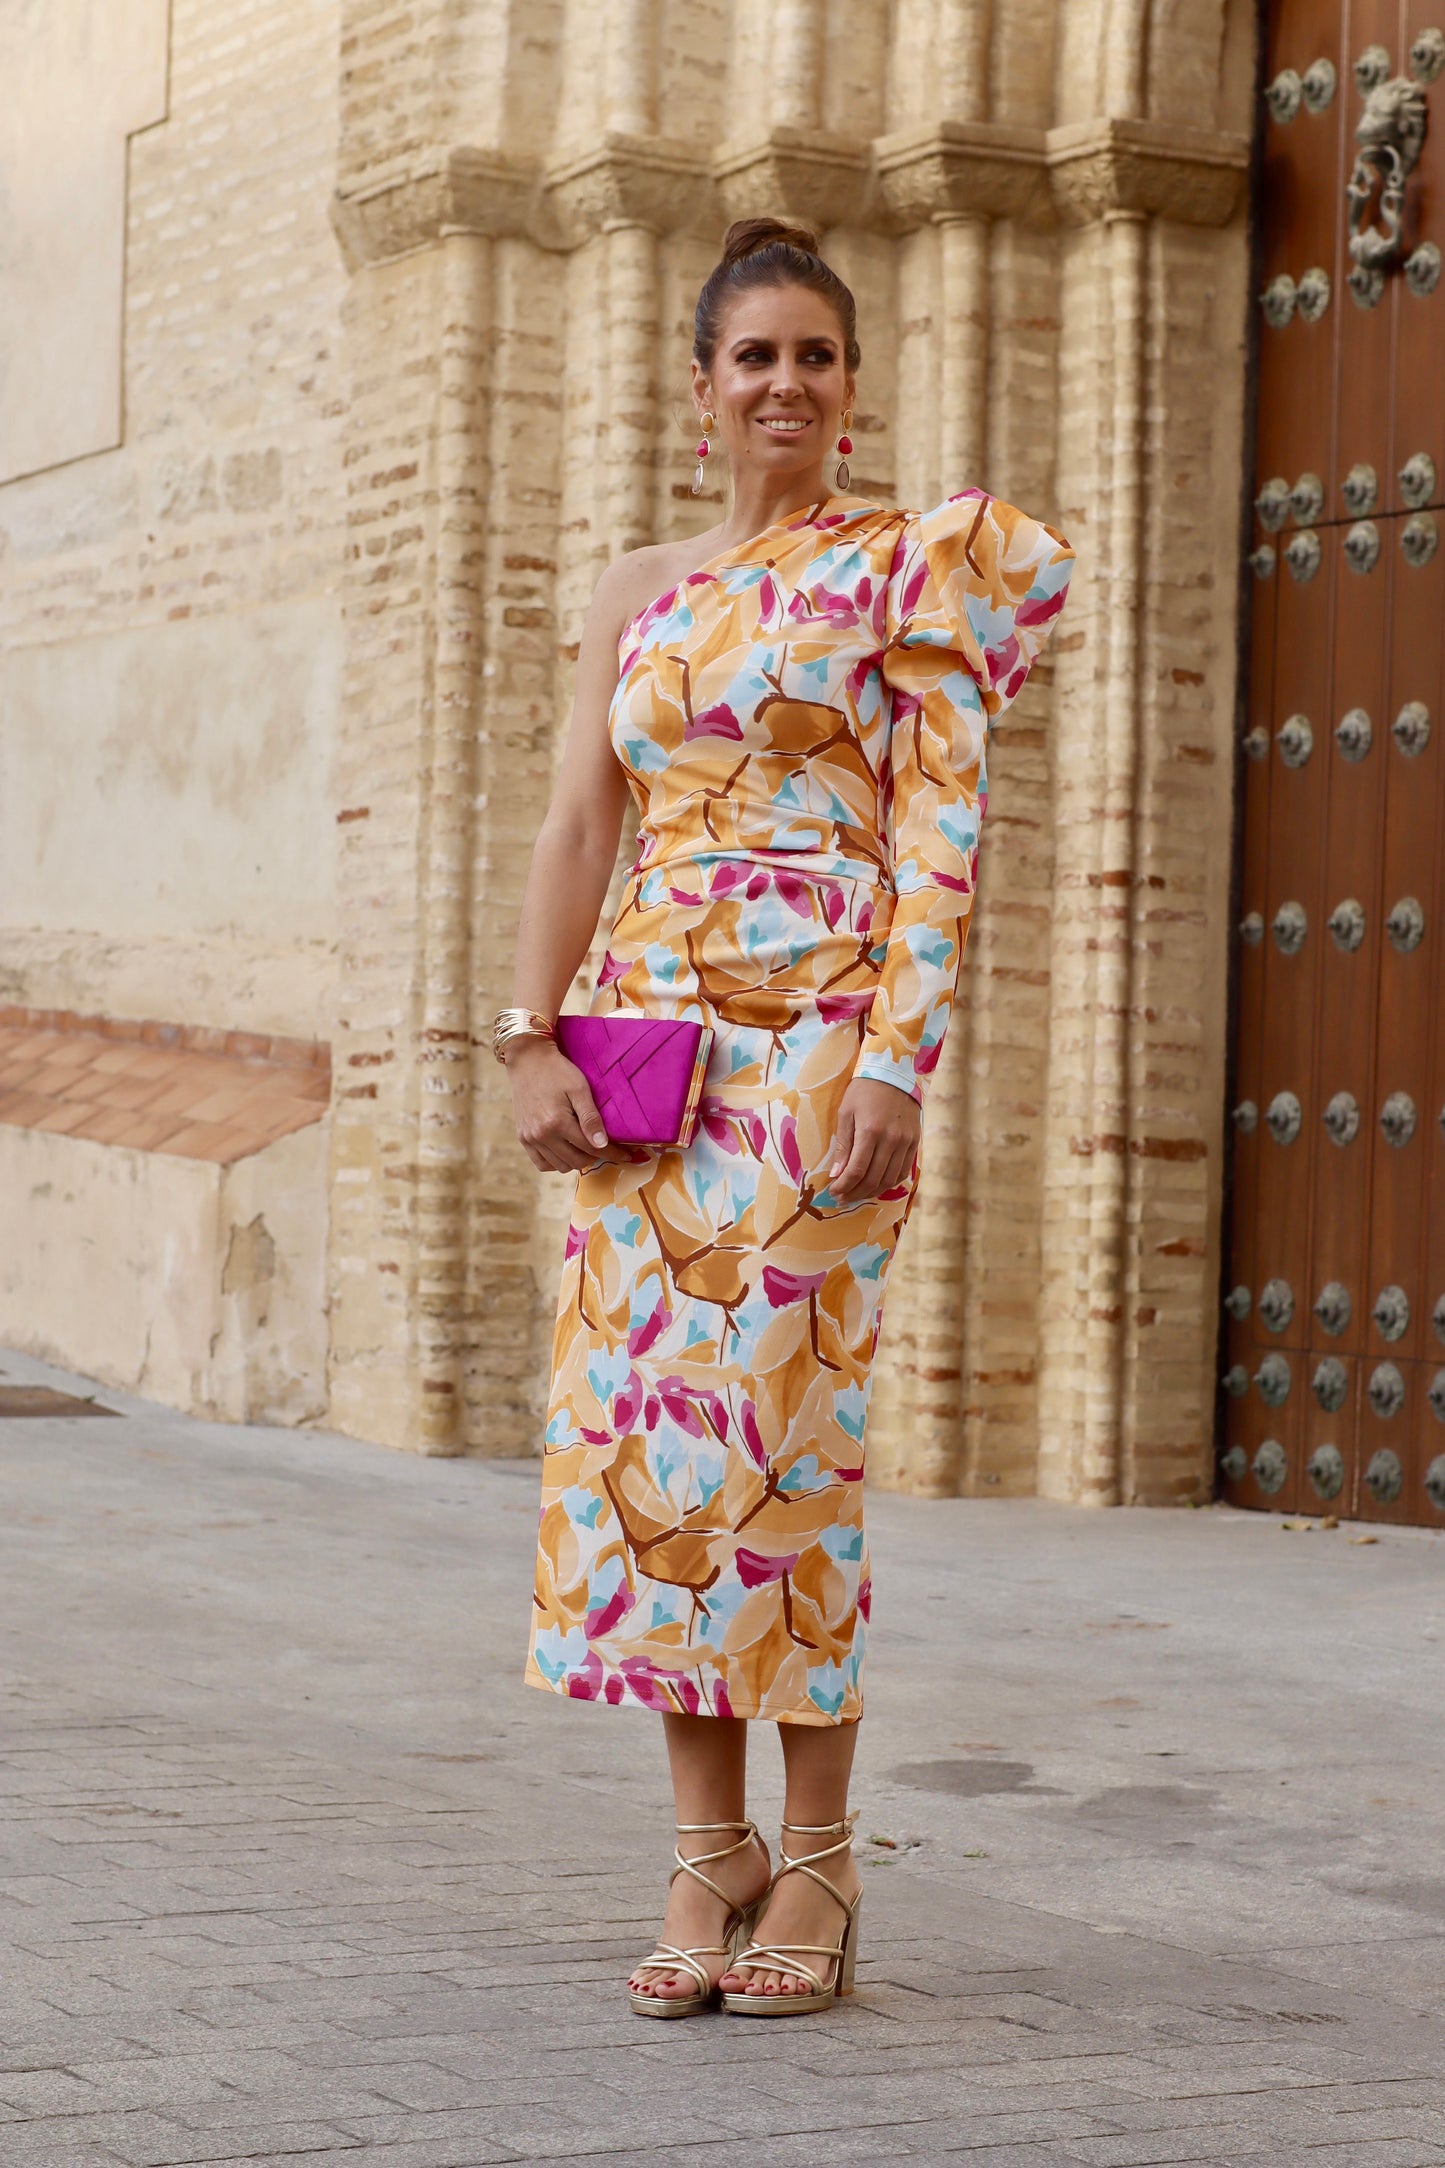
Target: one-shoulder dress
x=802, y=722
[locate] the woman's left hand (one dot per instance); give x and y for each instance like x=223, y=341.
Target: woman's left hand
x=876, y=1141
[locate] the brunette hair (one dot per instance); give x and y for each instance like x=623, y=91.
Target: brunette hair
x=769, y=252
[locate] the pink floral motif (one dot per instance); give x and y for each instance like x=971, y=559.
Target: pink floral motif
x=795, y=893
x=842, y=1008
x=755, y=1571
x=677, y=1399
x=641, y=1338
x=717, y=1123
x=717, y=721
x=584, y=1683
x=782, y=1288
x=627, y=1405
x=612, y=1613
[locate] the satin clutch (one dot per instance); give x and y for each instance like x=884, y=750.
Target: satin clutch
x=645, y=1073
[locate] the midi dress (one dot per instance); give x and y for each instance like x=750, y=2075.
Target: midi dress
x=802, y=721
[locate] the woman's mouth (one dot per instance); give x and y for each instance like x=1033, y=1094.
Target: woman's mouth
x=779, y=425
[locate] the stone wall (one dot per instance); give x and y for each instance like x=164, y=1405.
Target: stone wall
x=447, y=418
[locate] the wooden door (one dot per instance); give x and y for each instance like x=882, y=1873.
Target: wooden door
x=1334, y=1335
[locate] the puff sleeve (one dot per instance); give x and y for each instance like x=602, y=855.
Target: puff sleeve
x=975, y=590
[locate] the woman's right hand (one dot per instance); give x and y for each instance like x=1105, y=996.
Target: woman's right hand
x=557, y=1119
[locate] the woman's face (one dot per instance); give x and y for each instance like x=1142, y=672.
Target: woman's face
x=778, y=385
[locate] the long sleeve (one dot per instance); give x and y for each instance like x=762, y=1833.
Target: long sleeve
x=972, y=599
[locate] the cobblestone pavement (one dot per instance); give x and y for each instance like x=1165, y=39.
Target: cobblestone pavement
x=294, y=1868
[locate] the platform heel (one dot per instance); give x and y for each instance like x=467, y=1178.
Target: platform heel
x=741, y=1921
x=842, y=1956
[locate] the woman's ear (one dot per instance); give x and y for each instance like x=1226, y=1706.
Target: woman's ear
x=701, y=389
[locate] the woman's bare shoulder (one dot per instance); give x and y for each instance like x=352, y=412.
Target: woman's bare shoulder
x=638, y=577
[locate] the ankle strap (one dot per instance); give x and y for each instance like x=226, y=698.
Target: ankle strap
x=822, y=1829
x=746, y=1834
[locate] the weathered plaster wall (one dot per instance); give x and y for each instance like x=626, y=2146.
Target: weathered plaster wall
x=80, y=79
x=191, y=1283
x=169, y=628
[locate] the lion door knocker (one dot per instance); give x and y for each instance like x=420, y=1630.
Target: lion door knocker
x=1390, y=133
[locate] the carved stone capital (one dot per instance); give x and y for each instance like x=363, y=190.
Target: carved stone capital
x=792, y=174
x=464, y=191
x=628, y=180
x=958, y=169
x=977, y=169
x=1067, y=176
x=1157, y=168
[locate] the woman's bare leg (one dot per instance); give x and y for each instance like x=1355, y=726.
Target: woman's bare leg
x=818, y=1760
x=708, y=1759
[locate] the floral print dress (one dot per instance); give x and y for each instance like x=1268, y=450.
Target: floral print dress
x=802, y=722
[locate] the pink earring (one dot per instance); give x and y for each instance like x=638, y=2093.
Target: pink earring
x=699, y=474
x=845, y=446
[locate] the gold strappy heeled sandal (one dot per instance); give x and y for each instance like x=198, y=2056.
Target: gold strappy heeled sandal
x=740, y=1923
x=784, y=1956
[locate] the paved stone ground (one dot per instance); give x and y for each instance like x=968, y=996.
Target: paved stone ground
x=295, y=1869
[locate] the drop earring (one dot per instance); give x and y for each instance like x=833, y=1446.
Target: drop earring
x=845, y=446
x=699, y=474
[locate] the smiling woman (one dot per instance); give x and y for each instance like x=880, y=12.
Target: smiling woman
x=772, y=290
x=798, y=702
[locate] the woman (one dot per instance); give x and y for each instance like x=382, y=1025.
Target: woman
x=797, y=700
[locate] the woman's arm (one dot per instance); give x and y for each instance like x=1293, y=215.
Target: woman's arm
x=572, y=864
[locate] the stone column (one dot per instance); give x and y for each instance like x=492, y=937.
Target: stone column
x=926, y=1395
x=631, y=418
x=962, y=58
x=797, y=63
x=630, y=59
x=444, y=1051
x=1098, y=1468
x=1093, y=1107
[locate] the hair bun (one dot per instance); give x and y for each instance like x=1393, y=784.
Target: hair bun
x=745, y=236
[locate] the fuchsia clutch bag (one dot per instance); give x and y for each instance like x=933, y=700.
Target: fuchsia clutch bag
x=645, y=1073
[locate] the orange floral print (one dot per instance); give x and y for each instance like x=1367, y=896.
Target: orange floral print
x=803, y=724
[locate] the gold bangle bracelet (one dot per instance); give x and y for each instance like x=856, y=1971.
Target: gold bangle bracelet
x=510, y=1024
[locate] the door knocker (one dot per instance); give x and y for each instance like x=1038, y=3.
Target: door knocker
x=1390, y=133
